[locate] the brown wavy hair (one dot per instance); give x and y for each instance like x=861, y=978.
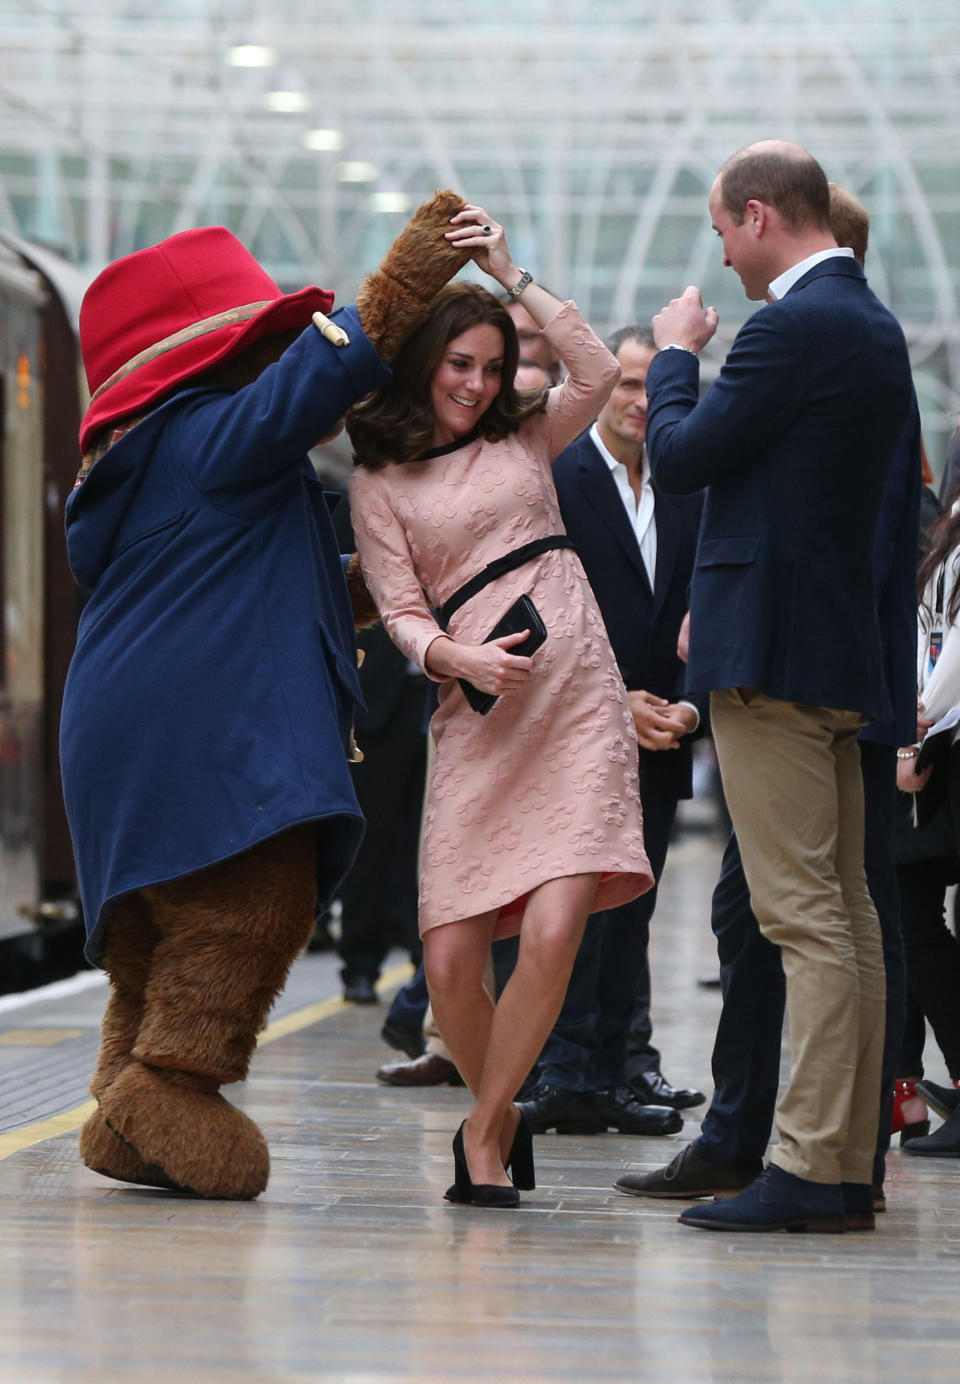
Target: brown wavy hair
x=396, y=424
x=942, y=540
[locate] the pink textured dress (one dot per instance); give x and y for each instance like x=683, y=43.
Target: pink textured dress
x=546, y=784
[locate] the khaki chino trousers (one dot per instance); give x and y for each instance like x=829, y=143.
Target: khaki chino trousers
x=792, y=779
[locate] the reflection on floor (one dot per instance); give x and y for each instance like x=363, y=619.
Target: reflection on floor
x=353, y=1268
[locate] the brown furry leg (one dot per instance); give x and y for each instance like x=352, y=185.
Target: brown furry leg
x=228, y=937
x=127, y=960
x=129, y=953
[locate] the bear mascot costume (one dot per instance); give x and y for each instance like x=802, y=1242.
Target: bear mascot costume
x=208, y=710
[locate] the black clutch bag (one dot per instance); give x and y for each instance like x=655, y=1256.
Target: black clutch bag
x=522, y=615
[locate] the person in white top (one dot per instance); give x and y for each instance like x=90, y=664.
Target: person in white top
x=930, y=854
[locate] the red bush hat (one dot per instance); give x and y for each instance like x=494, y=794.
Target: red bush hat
x=155, y=318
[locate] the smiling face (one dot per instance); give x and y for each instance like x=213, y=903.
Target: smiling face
x=466, y=382
x=624, y=416
x=743, y=247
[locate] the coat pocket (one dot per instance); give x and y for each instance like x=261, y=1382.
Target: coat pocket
x=344, y=672
x=737, y=551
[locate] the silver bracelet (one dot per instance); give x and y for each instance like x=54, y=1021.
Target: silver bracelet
x=524, y=281
x=911, y=753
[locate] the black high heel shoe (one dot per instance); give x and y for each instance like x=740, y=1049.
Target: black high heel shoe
x=467, y=1192
x=520, y=1158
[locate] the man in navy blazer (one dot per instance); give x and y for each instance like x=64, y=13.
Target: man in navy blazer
x=728, y=1153
x=599, y=1068
x=794, y=442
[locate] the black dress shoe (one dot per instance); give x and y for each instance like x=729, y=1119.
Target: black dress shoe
x=359, y=990
x=652, y=1088
x=689, y=1176
x=429, y=1069
x=404, y=1039
x=568, y=1112
x=943, y=1099
x=620, y=1110
x=943, y=1143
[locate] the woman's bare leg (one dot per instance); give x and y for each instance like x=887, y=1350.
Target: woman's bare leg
x=553, y=924
x=454, y=958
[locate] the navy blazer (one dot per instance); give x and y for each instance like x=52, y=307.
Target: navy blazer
x=643, y=624
x=794, y=440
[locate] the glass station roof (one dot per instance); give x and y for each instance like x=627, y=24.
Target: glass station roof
x=592, y=129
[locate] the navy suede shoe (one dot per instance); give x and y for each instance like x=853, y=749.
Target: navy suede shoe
x=776, y=1201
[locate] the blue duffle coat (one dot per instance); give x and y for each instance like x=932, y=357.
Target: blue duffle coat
x=212, y=689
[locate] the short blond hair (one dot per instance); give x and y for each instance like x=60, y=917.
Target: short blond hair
x=849, y=221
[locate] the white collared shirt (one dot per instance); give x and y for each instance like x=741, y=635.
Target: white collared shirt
x=641, y=515
x=783, y=283
x=639, y=511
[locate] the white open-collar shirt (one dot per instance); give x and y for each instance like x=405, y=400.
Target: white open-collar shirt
x=640, y=512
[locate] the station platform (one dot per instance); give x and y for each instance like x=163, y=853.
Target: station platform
x=351, y=1268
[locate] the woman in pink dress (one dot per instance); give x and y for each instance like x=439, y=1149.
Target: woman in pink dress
x=533, y=816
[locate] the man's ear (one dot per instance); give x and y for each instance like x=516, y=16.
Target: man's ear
x=757, y=216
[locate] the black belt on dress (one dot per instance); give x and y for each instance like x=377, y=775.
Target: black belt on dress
x=498, y=568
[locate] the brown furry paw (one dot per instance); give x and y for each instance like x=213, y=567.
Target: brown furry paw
x=365, y=612
x=396, y=299
x=105, y=1153
x=180, y=1124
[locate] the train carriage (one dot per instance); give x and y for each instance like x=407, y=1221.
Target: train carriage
x=42, y=396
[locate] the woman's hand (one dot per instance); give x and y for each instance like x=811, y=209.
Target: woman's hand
x=477, y=232
x=490, y=667
x=908, y=780
x=660, y=725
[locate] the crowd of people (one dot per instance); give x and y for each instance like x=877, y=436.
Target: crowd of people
x=583, y=564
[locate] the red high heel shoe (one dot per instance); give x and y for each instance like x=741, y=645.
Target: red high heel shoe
x=909, y=1111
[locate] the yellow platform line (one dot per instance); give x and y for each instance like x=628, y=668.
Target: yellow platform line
x=29, y=1135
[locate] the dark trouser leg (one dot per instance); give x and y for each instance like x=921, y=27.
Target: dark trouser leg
x=567, y=1060
x=878, y=765
x=379, y=896
x=410, y=1002
x=504, y=955
x=639, y=1056
x=932, y=951
x=586, y=1049
x=910, y=1062
x=746, y=1050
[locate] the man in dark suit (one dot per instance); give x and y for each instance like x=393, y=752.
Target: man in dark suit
x=379, y=895
x=728, y=1154
x=793, y=441
x=637, y=548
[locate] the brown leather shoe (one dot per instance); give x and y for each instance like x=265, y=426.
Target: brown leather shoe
x=689, y=1176
x=428, y=1070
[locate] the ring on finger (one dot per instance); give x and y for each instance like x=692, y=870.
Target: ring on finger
x=486, y=230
